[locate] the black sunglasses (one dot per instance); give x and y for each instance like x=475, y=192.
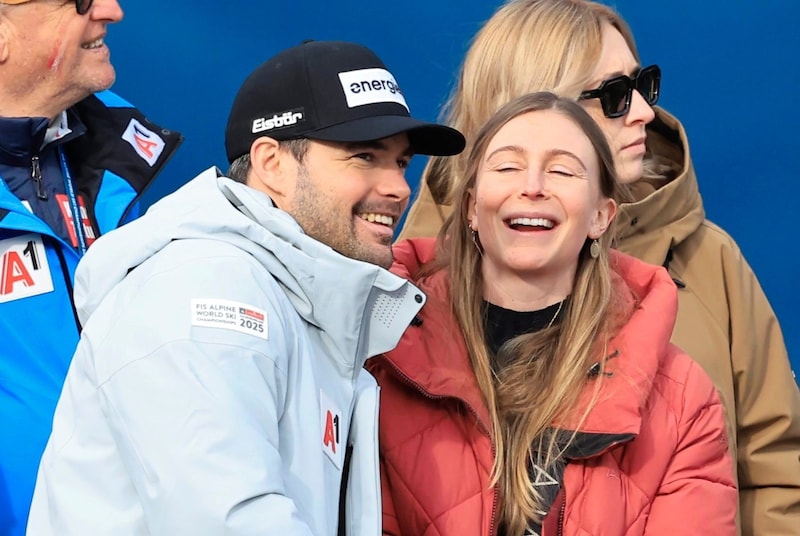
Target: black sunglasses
x=83, y=6
x=615, y=93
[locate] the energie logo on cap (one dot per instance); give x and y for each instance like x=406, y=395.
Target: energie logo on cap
x=371, y=86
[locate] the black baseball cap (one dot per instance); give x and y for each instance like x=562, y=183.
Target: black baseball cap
x=330, y=91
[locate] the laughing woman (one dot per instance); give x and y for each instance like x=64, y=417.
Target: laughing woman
x=584, y=50
x=538, y=392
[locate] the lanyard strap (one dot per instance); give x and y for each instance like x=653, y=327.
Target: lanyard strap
x=77, y=220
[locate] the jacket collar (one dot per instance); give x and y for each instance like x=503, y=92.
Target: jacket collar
x=21, y=138
x=432, y=355
x=634, y=354
x=433, y=358
x=24, y=137
x=108, y=121
x=666, y=211
x=380, y=305
x=359, y=308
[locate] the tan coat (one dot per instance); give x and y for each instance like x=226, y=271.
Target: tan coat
x=724, y=322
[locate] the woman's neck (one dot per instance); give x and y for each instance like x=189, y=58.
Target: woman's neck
x=524, y=291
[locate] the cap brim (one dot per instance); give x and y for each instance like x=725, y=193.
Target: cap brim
x=425, y=138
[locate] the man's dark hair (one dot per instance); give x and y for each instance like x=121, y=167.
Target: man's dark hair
x=241, y=166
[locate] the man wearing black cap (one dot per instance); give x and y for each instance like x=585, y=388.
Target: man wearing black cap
x=218, y=385
x=342, y=121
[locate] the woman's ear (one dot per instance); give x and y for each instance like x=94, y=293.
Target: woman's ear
x=606, y=212
x=472, y=213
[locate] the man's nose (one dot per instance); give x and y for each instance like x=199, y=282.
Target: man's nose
x=106, y=10
x=393, y=184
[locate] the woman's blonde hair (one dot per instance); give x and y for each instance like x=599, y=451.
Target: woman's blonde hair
x=526, y=46
x=544, y=372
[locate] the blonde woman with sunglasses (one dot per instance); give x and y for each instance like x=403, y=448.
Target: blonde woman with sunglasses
x=585, y=51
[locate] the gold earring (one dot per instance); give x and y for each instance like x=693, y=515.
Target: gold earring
x=594, y=249
x=475, y=241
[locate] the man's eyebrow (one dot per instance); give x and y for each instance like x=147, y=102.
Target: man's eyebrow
x=356, y=145
x=375, y=145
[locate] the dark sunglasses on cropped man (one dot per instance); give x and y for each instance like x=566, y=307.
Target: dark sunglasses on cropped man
x=81, y=6
x=615, y=94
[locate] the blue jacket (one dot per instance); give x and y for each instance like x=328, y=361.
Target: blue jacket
x=111, y=164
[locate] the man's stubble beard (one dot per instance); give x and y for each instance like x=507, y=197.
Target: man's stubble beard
x=334, y=224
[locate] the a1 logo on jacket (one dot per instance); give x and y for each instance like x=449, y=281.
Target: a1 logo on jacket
x=24, y=271
x=144, y=141
x=331, y=421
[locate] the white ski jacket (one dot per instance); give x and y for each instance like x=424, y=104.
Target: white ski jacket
x=219, y=382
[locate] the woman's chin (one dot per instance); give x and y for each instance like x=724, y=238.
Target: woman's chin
x=630, y=172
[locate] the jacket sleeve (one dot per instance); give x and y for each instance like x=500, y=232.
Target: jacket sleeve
x=196, y=420
x=697, y=495
x=767, y=407
x=202, y=449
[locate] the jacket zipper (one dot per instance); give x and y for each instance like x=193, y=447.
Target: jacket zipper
x=563, y=509
x=65, y=272
x=483, y=428
x=561, y=512
x=36, y=175
x=496, y=491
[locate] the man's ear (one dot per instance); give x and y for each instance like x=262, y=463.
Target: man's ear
x=268, y=168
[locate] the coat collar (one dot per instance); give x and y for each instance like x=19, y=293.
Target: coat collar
x=432, y=355
x=634, y=354
x=316, y=279
x=358, y=308
x=668, y=210
x=24, y=137
x=433, y=358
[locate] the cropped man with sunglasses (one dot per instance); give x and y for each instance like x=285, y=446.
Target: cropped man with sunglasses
x=74, y=159
x=725, y=321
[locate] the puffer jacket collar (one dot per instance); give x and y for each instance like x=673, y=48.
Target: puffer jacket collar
x=633, y=354
x=664, y=214
x=432, y=356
